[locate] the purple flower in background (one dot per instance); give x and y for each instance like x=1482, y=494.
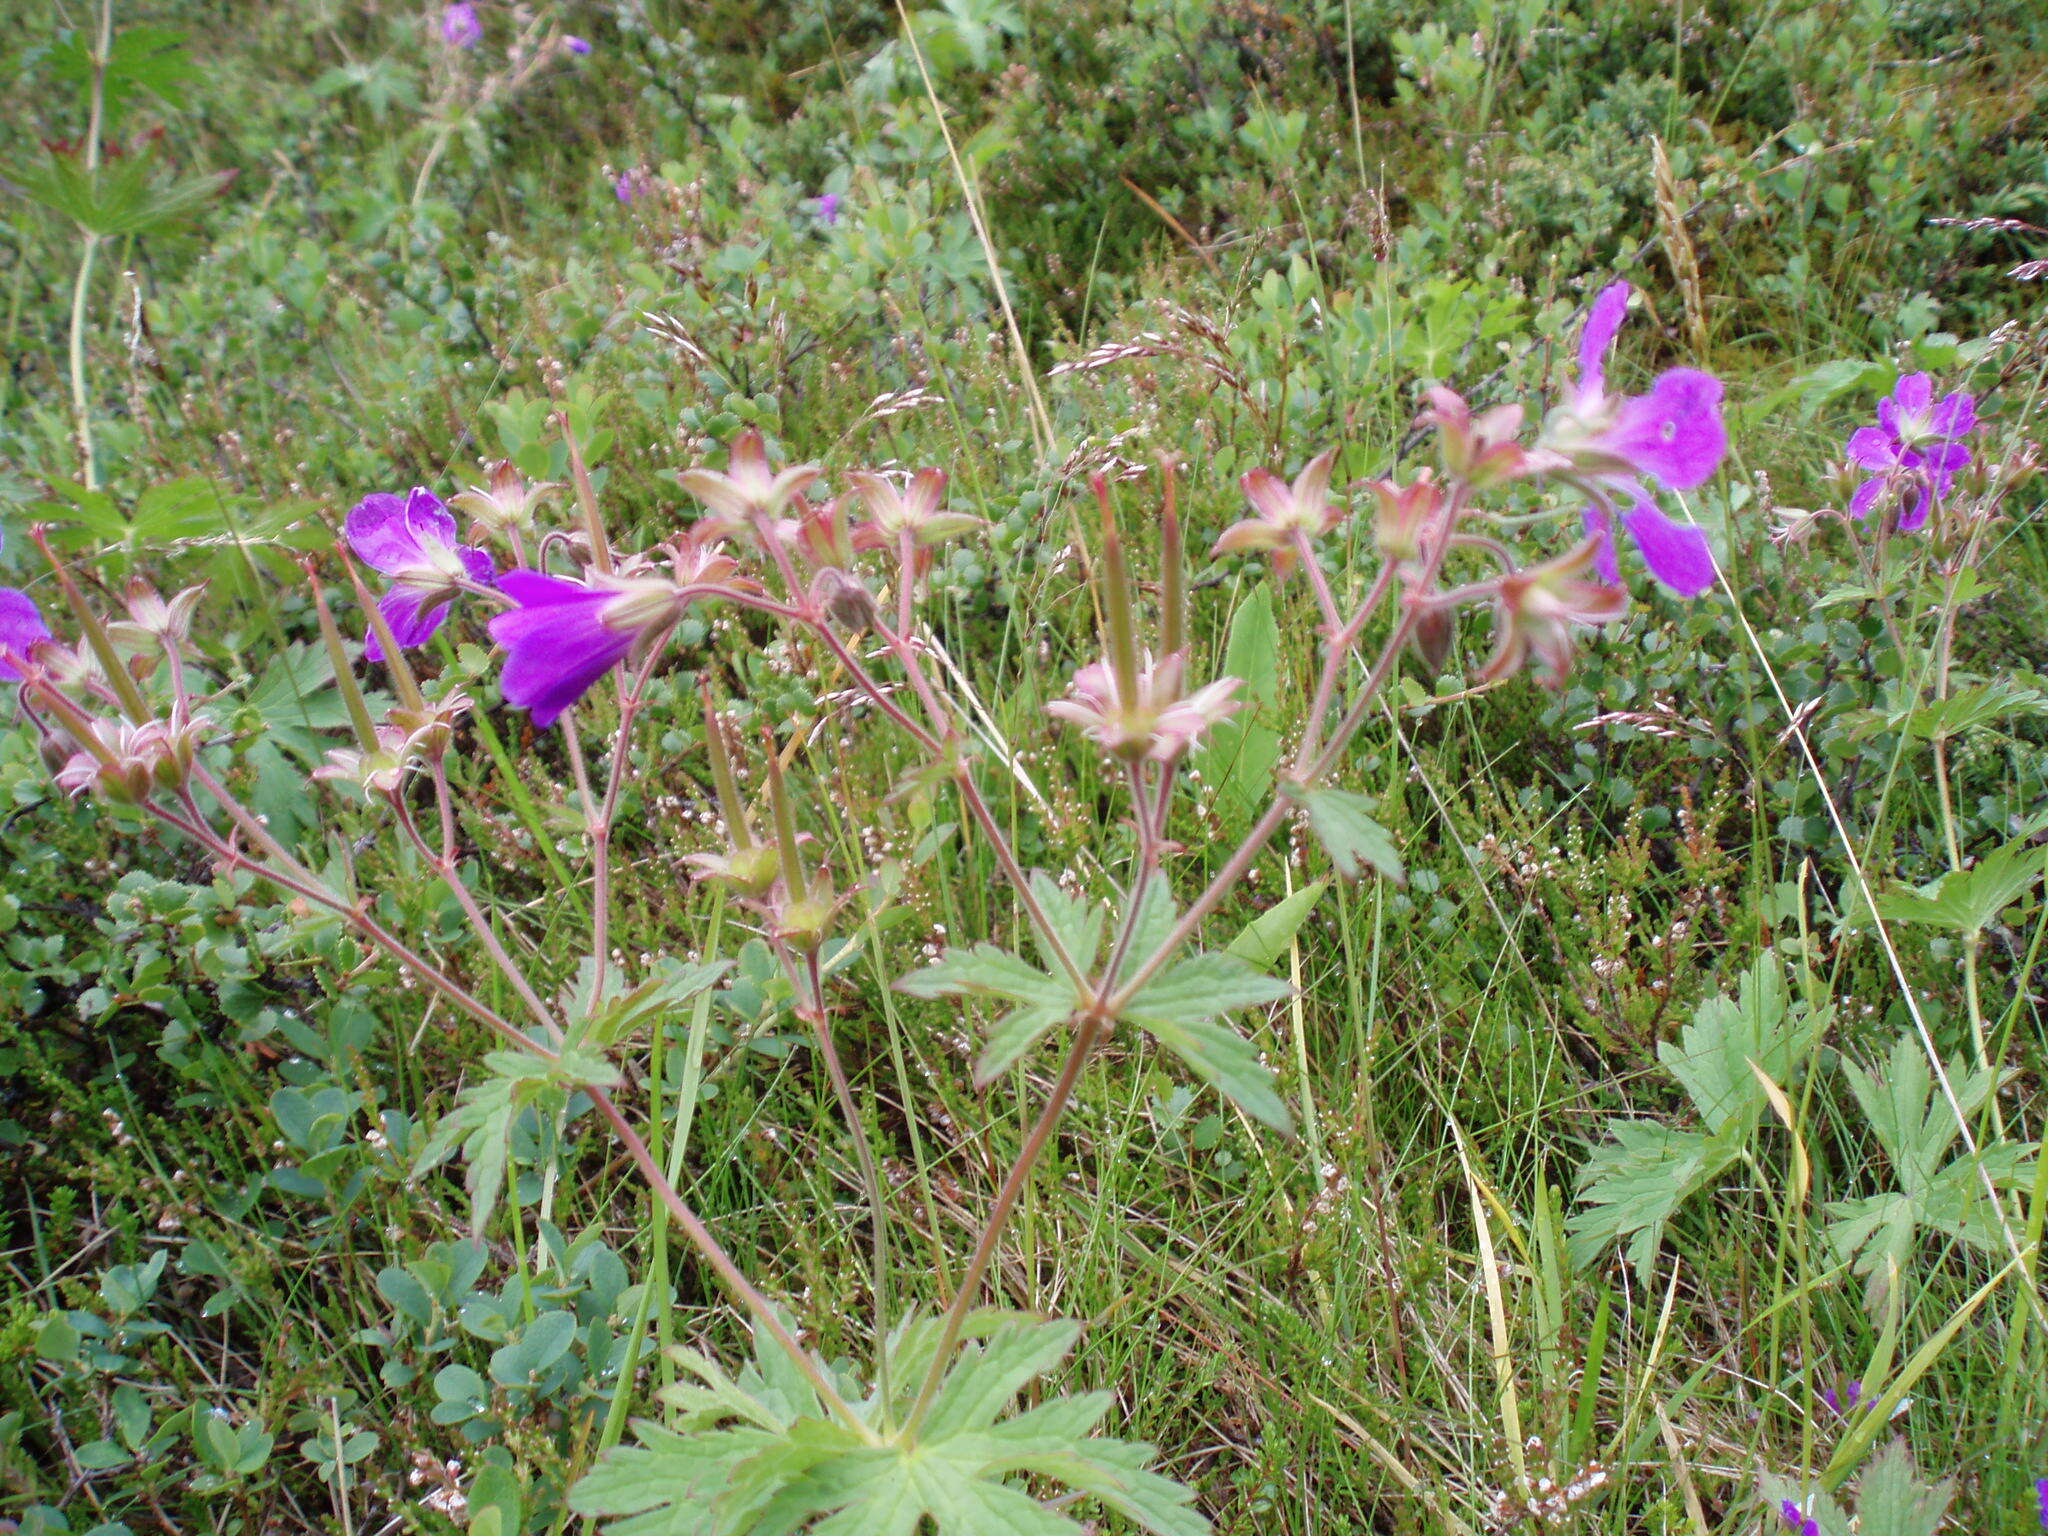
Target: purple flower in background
x=1917, y=443
x=2041, y=1493
x=564, y=635
x=412, y=539
x=460, y=27
x=1797, y=1519
x=21, y=626
x=827, y=208
x=576, y=45
x=1614, y=448
x=632, y=185
x=1846, y=1402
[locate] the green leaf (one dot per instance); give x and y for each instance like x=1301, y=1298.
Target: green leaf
x=745, y=1467
x=120, y=197
x=665, y=1485
x=57, y=1340
x=1892, y=1501
x=1154, y=923
x=1913, y=1123
x=1268, y=936
x=1014, y=1034
x=1976, y=705
x=1076, y=920
x=1226, y=1061
x=1343, y=822
x=1176, y=1008
x=1716, y=1056
x=986, y=970
x=1967, y=901
x=1635, y=1184
x=1244, y=749
x=1204, y=986
x=670, y=984
x=986, y=1377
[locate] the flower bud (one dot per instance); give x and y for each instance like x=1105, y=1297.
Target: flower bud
x=1403, y=514
x=1435, y=629
x=506, y=504
x=844, y=599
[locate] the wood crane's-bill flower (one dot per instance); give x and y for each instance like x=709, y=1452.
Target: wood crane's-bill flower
x=1915, y=449
x=1148, y=718
x=21, y=626
x=1616, y=448
x=564, y=635
x=413, y=540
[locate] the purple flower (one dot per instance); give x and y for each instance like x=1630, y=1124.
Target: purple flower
x=1797, y=1519
x=576, y=45
x=459, y=26
x=412, y=539
x=1614, y=448
x=21, y=626
x=1845, y=1403
x=632, y=185
x=2041, y=1493
x=564, y=635
x=1917, y=443
x=827, y=208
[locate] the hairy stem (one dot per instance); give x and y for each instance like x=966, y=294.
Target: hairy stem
x=762, y=1309
x=871, y=1175
x=1085, y=1037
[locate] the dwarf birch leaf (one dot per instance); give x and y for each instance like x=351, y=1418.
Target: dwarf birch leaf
x=1343, y=823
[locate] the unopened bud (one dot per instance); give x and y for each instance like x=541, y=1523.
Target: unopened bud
x=844, y=599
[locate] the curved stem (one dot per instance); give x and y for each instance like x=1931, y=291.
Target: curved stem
x=194, y=826
x=1085, y=1037
x=871, y=1175
x=444, y=865
x=700, y=1237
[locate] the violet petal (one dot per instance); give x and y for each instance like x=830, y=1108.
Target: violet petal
x=1677, y=555
x=381, y=534
x=21, y=626
x=1674, y=433
x=1603, y=321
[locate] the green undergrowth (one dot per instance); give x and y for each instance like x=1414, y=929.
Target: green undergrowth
x=1618, y=1142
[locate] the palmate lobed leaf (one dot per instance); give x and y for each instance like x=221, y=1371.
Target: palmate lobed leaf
x=1636, y=1182
x=741, y=1463
x=1713, y=1056
x=1076, y=922
x=1343, y=822
x=1966, y=901
x=1179, y=1008
x=986, y=970
x=1015, y=1033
